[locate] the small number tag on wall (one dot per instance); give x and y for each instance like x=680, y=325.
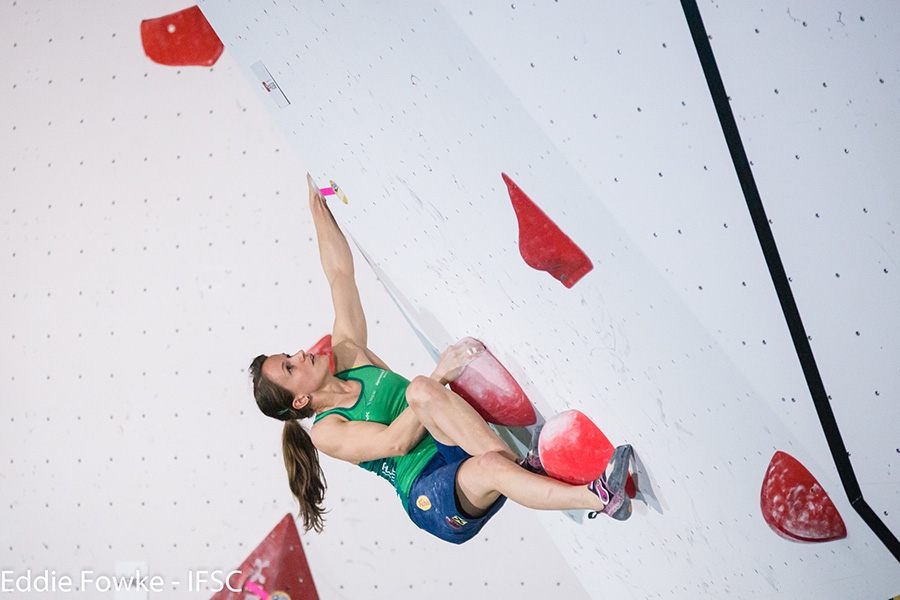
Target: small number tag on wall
x=269, y=83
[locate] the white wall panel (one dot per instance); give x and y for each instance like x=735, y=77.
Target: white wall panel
x=820, y=124
x=674, y=342
x=154, y=239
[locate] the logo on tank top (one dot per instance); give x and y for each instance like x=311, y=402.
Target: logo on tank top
x=389, y=471
x=371, y=395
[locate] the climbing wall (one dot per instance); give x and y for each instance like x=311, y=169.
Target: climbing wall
x=675, y=341
x=155, y=238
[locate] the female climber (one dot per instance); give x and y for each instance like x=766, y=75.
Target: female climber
x=450, y=469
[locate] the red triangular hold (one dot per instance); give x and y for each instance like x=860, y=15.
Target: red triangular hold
x=542, y=243
x=494, y=393
x=278, y=564
x=323, y=348
x=573, y=449
x=181, y=39
x=795, y=506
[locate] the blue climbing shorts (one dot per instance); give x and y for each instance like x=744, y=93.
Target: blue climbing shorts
x=433, y=505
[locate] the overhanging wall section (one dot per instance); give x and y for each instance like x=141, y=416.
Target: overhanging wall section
x=674, y=341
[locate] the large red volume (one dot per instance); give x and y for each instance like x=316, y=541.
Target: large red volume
x=573, y=449
x=181, y=39
x=794, y=504
x=278, y=564
x=494, y=393
x=323, y=348
x=542, y=243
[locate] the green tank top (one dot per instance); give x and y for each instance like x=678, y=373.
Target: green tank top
x=381, y=400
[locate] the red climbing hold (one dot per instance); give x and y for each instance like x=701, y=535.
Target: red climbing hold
x=542, y=243
x=181, y=39
x=573, y=449
x=278, y=564
x=494, y=393
x=323, y=348
x=794, y=504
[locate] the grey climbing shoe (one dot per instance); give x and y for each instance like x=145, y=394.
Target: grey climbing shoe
x=612, y=487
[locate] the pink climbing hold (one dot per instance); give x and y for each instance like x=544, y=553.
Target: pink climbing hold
x=494, y=393
x=795, y=506
x=253, y=588
x=573, y=449
x=542, y=243
x=323, y=348
x=181, y=39
x=279, y=563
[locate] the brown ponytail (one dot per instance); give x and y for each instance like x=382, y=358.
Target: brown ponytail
x=305, y=477
x=301, y=459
